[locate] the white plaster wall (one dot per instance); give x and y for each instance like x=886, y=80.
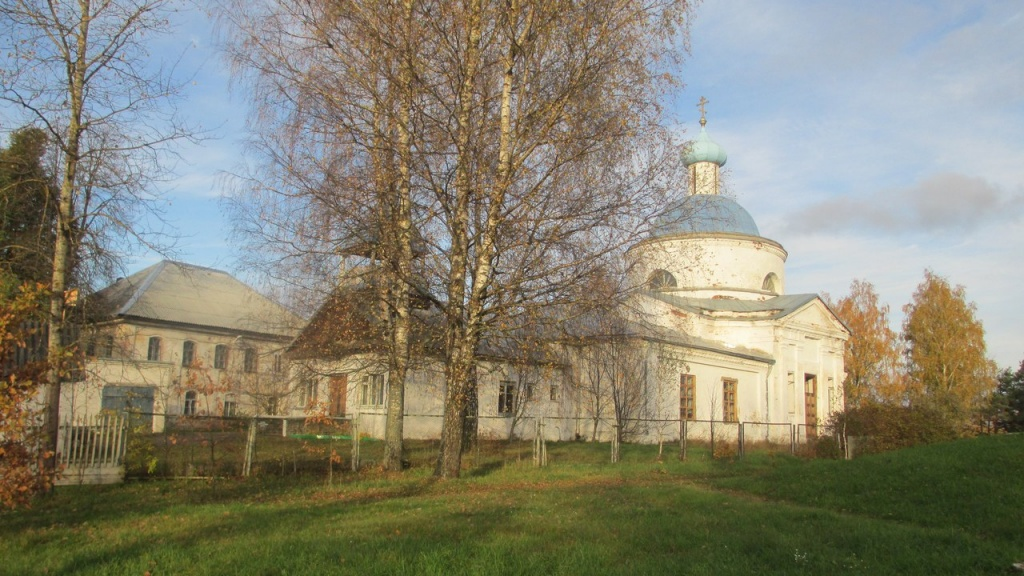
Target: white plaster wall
x=129, y=367
x=716, y=263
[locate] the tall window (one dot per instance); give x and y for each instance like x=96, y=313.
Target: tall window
x=506, y=397
x=188, y=353
x=307, y=391
x=554, y=393
x=153, y=354
x=106, y=346
x=220, y=357
x=687, y=396
x=371, y=391
x=230, y=405
x=278, y=365
x=729, y=400
x=249, y=364
x=190, y=403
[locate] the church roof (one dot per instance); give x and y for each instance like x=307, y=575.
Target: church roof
x=770, y=309
x=704, y=214
x=180, y=293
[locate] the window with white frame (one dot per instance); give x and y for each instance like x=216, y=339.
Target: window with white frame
x=230, y=405
x=506, y=398
x=371, y=390
x=307, y=391
x=190, y=403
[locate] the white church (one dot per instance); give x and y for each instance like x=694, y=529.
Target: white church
x=717, y=339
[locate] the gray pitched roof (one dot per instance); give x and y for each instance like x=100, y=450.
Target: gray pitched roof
x=770, y=309
x=202, y=297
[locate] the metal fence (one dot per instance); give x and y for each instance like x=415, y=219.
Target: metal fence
x=91, y=451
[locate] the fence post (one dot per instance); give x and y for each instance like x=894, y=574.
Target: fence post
x=792, y=439
x=615, y=443
x=682, y=439
x=250, y=448
x=355, y=445
x=536, y=443
x=741, y=440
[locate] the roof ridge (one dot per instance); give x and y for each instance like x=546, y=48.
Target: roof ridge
x=143, y=286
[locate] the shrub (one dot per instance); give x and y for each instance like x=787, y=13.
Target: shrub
x=885, y=427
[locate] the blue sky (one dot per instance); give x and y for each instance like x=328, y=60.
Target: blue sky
x=873, y=139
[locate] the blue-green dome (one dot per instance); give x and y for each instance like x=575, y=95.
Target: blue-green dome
x=704, y=214
x=704, y=149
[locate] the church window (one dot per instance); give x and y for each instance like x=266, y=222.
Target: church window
x=661, y=279
x=554, y=393
x=729, y=400
x=771, y=283
x=687, y=396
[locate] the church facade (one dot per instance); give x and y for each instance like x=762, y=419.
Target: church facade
x=712, y=337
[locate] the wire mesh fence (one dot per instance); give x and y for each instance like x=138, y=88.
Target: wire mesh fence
x=208, y=447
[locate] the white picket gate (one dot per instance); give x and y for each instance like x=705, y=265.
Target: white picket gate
x=91, y=450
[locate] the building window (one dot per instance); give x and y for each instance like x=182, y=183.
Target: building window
x=272, y=406
x=188, y=353
x=220, y=357
x=688, y=397
x=661, y=279
x=554, y=393
x=278, y=365
x=106, y=346
x=153, y=354
x=307, y=391
x=250, y=360
x=506, y=398
x=729, y=400
x=190, y=403
x=771, y=283
x=371, y=391
x=230, y=405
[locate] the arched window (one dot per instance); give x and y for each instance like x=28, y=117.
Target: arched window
x=220, y=357
x=153, y=354
x=188, y=353
x=771, y=283
x=661, y=279
x=190, y=403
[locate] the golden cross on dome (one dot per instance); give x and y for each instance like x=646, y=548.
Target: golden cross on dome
x=701, y=104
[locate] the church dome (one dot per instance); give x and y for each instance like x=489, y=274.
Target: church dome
x=704, y=149
x=705, y=214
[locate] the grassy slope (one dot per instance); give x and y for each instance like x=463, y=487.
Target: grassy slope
x=947, y=509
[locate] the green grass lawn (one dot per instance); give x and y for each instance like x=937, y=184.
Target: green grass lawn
x=955, y=508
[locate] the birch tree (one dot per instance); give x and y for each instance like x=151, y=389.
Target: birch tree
x=81, y=71
x=947, y=365
x=333, y=84
x=524, y=138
